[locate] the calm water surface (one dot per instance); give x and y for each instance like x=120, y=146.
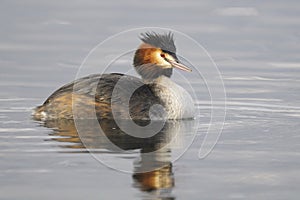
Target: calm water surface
x=256, y=47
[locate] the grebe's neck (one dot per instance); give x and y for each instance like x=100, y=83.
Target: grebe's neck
x=175, y=99
x=151, y=72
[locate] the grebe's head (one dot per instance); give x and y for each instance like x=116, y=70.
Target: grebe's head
x=156, y=56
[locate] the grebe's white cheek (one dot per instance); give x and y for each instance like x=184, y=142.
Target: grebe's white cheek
x=161, y=61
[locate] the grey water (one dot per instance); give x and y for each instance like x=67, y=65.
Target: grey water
x=255, y=45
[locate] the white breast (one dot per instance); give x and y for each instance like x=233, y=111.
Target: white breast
x=178, y=102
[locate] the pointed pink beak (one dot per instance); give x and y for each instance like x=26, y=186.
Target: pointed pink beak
x=180, y=66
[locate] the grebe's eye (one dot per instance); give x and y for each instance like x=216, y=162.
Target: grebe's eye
x=162, y=55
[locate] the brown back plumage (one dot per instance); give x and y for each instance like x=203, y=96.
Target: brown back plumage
x=94, y=93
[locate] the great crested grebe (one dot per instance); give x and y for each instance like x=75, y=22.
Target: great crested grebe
x=154, y=60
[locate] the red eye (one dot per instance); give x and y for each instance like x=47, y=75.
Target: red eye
x=162, y=55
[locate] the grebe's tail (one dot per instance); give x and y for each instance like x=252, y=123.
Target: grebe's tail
x=39, y=113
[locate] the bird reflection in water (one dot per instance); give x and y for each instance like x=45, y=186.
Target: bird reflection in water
x=152, y=171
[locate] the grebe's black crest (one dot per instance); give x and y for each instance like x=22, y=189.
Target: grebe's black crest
x=162, y=41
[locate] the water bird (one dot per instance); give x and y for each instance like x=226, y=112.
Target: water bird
x=154, y=60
